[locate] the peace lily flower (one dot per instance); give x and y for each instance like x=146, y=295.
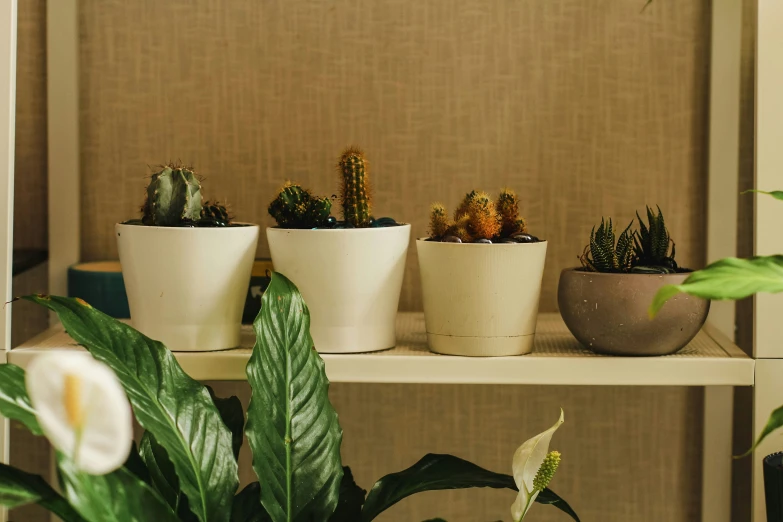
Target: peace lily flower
x=533, y=468
x=82, y=410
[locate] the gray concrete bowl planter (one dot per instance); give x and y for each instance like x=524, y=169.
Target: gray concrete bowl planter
x=607, y=312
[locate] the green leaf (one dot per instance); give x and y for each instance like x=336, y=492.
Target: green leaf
x=14, y=402
x=247, y=505
x=18, y=488
x=774, y=422
x=439, y=472
x=547, y=496
x=169, y=404
x=233, y=416
x=432, y=472
x=729, y=278
x=291, y=425
x=777, y=194
x=161, y=471
x=349, y=507
x=116, y=497
x=135, y=464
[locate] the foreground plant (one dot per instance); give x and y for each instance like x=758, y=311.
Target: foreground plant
x=478, y=219
x=185, y=467
x=733, y=279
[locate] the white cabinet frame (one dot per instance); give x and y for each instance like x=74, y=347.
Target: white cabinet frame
x=64, y=219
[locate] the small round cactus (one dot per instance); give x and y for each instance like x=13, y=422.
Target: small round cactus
x=483, y=222
x=214, y=214
x=173, y=197
x=355, y=188
x=296, y=207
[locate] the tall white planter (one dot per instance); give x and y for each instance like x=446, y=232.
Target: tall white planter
x=481, y=300
x=187, y=286
x=349, y=278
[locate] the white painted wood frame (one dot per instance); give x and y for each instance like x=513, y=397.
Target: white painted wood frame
x=8, y=19
x=768, y=331
x=722, y=220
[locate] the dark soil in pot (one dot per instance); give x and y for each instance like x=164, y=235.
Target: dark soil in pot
x=608, y=312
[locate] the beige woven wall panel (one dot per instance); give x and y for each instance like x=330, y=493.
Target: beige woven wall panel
x=629, y=454
x=30, y=211
x=586, y=107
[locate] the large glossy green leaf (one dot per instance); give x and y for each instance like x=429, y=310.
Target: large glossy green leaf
x=439, y=472
x=136, y=465
x=169, y=404
x=161, y=471
x=349, y=507
x=547, y=496
x=291, y=425
x=14, y=402
x=18, y=488
x=729, y=278
x=247, y=505
x=119, y=496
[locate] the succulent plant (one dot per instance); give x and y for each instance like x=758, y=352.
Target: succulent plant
x=603, y=254
x=439, y=221
x=478, y=219
x=651, y=245
x=460, y=229
x=296, y=207
x=173, y=196
x=483, y=219
x=355, y=188
x=508, y=210
x=213, y=214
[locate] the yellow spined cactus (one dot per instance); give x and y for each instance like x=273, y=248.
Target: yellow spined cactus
x=439, y=221
x=508, y=209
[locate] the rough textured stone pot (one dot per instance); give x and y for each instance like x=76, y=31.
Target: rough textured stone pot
x=481, y=300
x=608, y=312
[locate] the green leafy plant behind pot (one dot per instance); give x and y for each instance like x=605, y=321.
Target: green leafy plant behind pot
x=185, y=467
x=733, y=279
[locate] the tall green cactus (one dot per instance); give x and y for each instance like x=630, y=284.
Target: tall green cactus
x=295, y=207
x=355, y=192
x=173, y=197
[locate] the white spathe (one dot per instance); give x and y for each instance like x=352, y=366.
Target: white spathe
x=82, y=409
x=528, y=459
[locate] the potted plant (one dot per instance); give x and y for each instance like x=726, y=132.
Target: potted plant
x=604, y=302
x=186, y=265
x=734, y=279
x=350, y=271
x=481, y=278
x=185, y=467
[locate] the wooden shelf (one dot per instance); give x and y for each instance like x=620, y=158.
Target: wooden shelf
x=710, y=359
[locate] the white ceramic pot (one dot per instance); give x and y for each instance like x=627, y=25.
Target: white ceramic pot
x=187, y=286
x=481, y=300
x=349, y=278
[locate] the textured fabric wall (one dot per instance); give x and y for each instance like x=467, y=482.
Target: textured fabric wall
x=586, y=107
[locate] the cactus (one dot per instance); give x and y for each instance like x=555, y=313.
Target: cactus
x=464, y=206
x=603, y=255
x=355, y=191
x=483, y=221
x=508, y=210
x=295, y=207
x=173, y=197
x=651, y=245
x=214, y=215
x=460, y=229
x=439, y=221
